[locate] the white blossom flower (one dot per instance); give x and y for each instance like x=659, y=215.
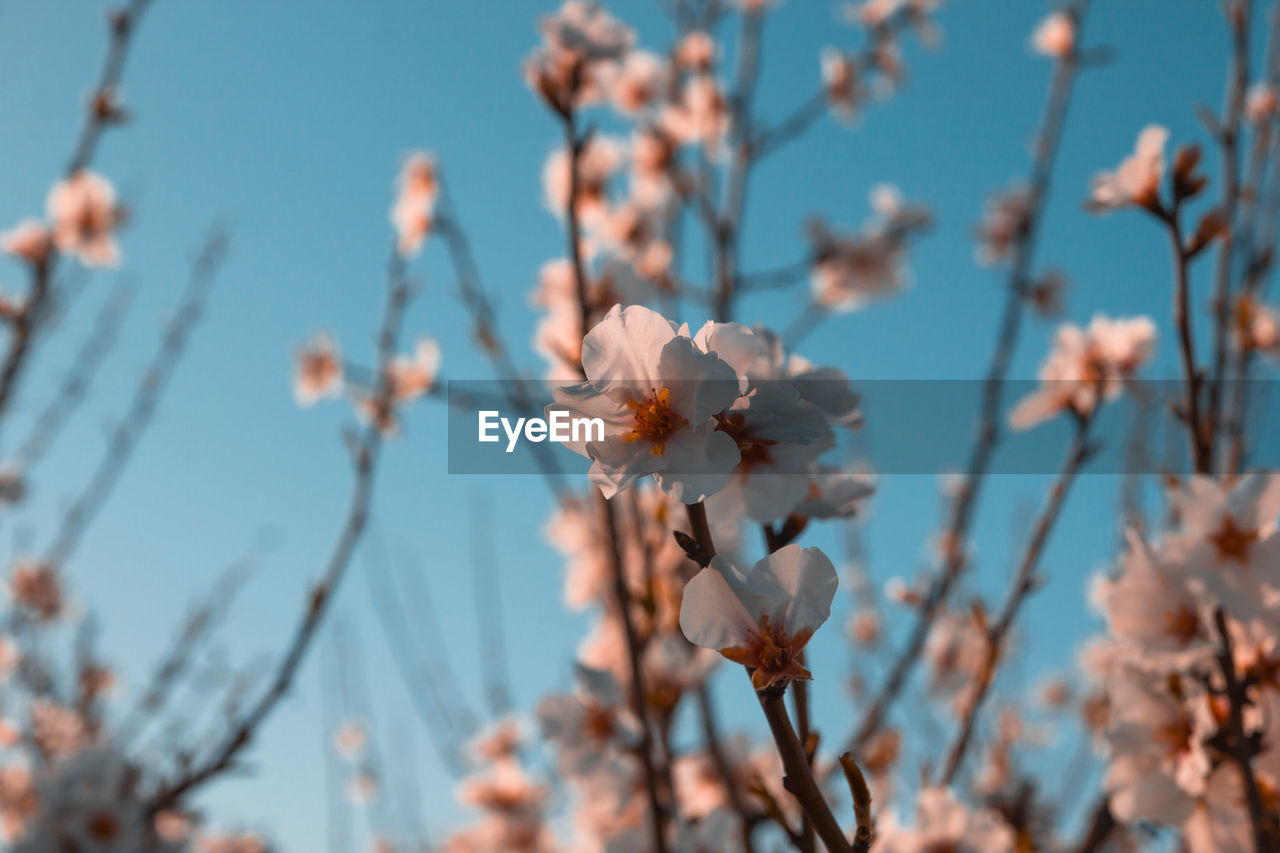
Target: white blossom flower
x=763, y=618
x=656, y=393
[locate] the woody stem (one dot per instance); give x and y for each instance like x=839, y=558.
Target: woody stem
x=798, y=778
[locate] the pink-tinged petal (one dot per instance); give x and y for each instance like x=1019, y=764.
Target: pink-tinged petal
x=625, y=345
x=585, y=400
x=699, y=462
x=796, y=587
x=701, y=385
x=712, y=615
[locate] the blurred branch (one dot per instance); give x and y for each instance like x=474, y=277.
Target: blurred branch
x=366, y=453
x=124, y=438
x=100, y=115
x=77, y=379
x=988, y=433
x=488, y=604
x=1025, y=581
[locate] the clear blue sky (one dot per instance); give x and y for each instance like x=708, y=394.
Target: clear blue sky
x=286, y=119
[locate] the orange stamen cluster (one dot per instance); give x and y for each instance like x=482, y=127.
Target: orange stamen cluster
x=772, y=654
x=655, y=420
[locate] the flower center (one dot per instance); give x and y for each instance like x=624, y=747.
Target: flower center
x=1183, y=624
x=754, y=451
x=1232, y=541
x=655, y=420
x=772, y=653
x=103, y=826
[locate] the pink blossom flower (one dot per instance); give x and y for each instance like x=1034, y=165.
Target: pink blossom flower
x=840, y=80
x=655, y=392
x=37, y=589
x=84, y=216
x=350, y=739
x=411, y=377
x=318, y=371
x=1158, y=762
x=944, y=823
x=1085, y=367
x=854, y=268
x=598, y=161
x=1136, y=181
x=29, y=240
x=581, y=46
x=762, y=618
x=1055, y=36
x=1262, y=102
x=638, y=82
x=696, y=51
x=413, y=212
x=700, y=115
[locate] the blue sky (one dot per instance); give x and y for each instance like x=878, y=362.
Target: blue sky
x=286, y=121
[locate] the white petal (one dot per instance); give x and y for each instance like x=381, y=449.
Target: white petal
x=711, y=614
x=626, y=344
x=796, y=586
x=699, y=462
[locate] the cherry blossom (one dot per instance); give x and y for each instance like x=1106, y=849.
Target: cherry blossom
x=763, y=618
x=1055, y=36
x=656, y=393
x=318, y=371
x=412, y=213
x=1086, y=366
x=1136, y=181
x=29, y=240
x=84, y=215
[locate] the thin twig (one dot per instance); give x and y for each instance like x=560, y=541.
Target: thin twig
x=988, y=433
x=223, y=755
x=1024, y=582
x=124, y=438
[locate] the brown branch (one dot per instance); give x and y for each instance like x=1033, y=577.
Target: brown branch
x=799, y=779
x=1025, y=581
x=988, y=433
x=77, y=379
x=1199, y=444
x=123, y=22
x=223, y=755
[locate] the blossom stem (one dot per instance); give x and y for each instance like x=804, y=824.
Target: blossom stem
x=1264, y=834
x=798, y=778
x=1200, y=451
x=223, y=755
x=1024, y=582
x=124, y=22
x=799, y=697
